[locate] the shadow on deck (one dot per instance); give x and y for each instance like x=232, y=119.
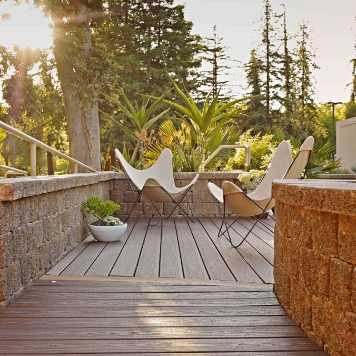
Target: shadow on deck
x=95, y=301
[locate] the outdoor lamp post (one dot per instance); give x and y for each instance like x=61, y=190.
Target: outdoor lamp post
x=333, y=104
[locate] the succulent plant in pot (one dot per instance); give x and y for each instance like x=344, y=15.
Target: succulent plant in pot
x=107, y=228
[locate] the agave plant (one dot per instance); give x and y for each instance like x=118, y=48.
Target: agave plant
x=210, y=124
x=319, y=161
x=187, y=152
x=139, y=116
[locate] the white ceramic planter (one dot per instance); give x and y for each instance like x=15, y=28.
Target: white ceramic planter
x=107, y=233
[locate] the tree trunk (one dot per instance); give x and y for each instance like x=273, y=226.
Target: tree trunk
x=113, y=158
x=82, y=119
x=50, y=166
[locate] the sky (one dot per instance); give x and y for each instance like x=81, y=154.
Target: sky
x=332, y=23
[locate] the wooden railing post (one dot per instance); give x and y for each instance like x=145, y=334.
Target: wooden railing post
x=33, y=158
x=75, y=170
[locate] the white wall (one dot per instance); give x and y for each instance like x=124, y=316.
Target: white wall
x=346, y=142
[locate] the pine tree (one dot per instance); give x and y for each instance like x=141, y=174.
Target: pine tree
x=351, y=105
x=150, y=39
x=304, y=83
x=268, y=52
x=215, y=55
x=255, y=109
x=286, y=76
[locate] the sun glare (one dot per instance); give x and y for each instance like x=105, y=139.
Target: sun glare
x=24, y=26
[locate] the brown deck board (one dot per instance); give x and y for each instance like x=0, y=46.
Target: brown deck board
x=214, y=263
x=238, y=266
x=192, y=262
x=108, y=256
x=148, y=265
x=171, y=264
x=177, y=248
x=127, y=261
x=260, y=265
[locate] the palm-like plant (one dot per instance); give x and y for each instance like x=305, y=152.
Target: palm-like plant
x=209, y=124
x=319, y=161
x=139, y=116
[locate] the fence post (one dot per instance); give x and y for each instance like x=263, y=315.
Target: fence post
x=75, y=170
x=33, y=158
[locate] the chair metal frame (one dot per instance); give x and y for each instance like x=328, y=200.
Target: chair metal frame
x=228, y=226
x=171, y=210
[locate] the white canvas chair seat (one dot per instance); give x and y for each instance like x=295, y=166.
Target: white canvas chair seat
x=261, y=199
x=157, y=182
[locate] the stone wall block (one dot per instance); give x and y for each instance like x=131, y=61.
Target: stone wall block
x=6, y=250
x=299, y=227
x=70, y=237
x=26, y=268
x=121, y=185
x=150, y=210
x=19, y=238
x=48, y=228
x=137, y=211
x=34, y=235
x=353, y=290
x=202, y=197
x=282, y=287
x=341, y=284
x=315, y=274
x=168, y=206
x=61, y=196
x=130, y=197
x=200, y=185
x=347, y=238
x=117, y=196
x=10, y=280
x=324, y=232
x=301, y=305
x=329, y=323
x=33, y=207
x=348, y=337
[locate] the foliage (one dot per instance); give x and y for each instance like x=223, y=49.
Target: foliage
x=131, y=159
x=261, y=146
x=208, y=124
x=95, y=206
x=251, y=179
x=339, y=171
x=215, y=54
x=112, y=221
x=319, y=161
x=353, y=168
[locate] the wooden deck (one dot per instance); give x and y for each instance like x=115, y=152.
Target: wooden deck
x=177, y=248
x=61, y=315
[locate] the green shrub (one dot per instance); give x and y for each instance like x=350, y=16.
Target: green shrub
x=96, y=207
x=261, y=147
x=251, y=179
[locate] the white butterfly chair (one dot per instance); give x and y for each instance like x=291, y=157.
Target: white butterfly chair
x=261, y=199
x=157, y=184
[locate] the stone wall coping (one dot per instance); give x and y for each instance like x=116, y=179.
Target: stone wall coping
x=336, y=176
x=18, y=188
x=335, y=196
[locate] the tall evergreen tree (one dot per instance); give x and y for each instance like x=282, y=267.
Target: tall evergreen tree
x=304, y=83
x=255, y=108
x=151, y=38
x=268, y=52
x=216, y=76
x=286, y=76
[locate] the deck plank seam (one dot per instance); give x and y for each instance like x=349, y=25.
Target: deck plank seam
x=246, y=241
x=180, y=252
x=143, y=243
x=135, y=223
x=196, y=244
x=242, y=254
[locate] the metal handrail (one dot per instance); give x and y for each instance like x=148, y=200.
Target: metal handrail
x=12, y=170
x=247, y=154
x=34, y=143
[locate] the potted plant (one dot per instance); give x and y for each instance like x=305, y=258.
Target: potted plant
x=107, y=228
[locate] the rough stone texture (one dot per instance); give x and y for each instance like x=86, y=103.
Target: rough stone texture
x=40, y=221
x=200, y=199
x=315, y=259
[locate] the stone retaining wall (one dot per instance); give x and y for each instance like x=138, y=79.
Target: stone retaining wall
x=200, y=198
x=40, y=221
x=315, y=259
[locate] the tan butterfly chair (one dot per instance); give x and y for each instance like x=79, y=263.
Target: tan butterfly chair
x=261, y=200
x=157, y=184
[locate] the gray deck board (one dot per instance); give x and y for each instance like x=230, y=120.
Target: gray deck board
x=177, y=248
